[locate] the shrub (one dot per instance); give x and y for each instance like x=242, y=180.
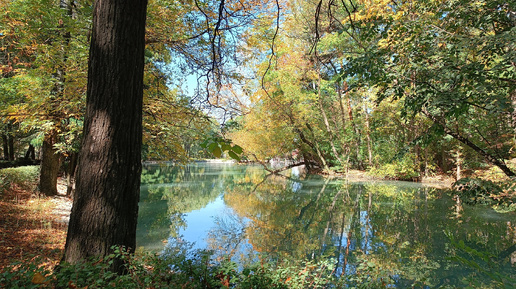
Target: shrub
x=25, y=177
x=404, y=169
x=195, y=271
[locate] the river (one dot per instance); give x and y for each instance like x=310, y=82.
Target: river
x=410, y=233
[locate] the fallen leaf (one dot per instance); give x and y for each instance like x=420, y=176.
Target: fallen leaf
x=38, y=278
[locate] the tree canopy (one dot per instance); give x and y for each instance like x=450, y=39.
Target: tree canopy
x=403, y=89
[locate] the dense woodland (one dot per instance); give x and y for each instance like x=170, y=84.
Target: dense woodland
x=404, y=89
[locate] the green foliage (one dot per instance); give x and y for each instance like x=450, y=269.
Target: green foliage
x=22, y=276
x=91, y=274
x=177, y=270
x=25, y=177
x=217, y=145
x=405, y=169
x=369, y=275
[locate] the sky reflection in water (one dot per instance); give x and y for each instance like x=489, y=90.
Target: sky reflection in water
x=397, y=228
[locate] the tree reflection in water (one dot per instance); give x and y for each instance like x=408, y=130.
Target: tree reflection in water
x=393, y=230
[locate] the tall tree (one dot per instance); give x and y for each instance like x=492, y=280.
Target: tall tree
x=105, y=209
x=43, y=75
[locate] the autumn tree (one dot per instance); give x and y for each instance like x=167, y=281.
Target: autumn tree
x=449, y=62
x=105, y=208
x=16, y=54
x=45, y=76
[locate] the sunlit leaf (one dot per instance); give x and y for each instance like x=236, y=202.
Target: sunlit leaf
x=225, y=147
x=217, y=152
x=213, y=146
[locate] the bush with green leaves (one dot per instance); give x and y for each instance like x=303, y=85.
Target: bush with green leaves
x=25, y=177
x=143, y=271
x=403, y=169
x=192, y=270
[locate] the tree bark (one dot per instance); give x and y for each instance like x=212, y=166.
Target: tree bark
x=8, y=142
x=105, y=208
x=31, y=153
x=357, y=134
x=70, y=174
x=368, y=135
x=50, y=163
x=11, y=141
x=5, y=145
x=265, y=167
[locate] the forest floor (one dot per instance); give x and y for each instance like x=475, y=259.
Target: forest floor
x=32, y=227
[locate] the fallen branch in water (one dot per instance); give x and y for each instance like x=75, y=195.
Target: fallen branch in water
x=278, y=170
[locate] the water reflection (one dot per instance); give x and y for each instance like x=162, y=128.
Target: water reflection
x=388, y=229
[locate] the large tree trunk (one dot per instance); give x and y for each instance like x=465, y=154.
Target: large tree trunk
x=50, y=163
x=105, y=208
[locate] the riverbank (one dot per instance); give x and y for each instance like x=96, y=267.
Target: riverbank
x=35, y=226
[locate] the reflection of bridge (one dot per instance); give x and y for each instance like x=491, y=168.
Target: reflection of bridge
x=277, y=163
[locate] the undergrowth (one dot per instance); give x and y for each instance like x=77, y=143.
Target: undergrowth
x=25, y=177
x=145, y=270
x=403, y=169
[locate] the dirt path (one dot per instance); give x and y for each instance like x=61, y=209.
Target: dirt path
x=32, y=227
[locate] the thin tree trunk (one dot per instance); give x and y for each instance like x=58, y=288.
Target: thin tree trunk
x=458, y=164
x=315, y=147
x=105, y=209
x=10, y=142
x=368, y=135
x=11, y=148
x=312, y=146
x=5, y=145
x=272, y=171
x=31, y=153
x=327, y=124
x=50, y=159
x=342, y=116
x=70, y=176
x=355, y=129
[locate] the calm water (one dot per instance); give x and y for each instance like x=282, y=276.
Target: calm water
x=405, y=231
